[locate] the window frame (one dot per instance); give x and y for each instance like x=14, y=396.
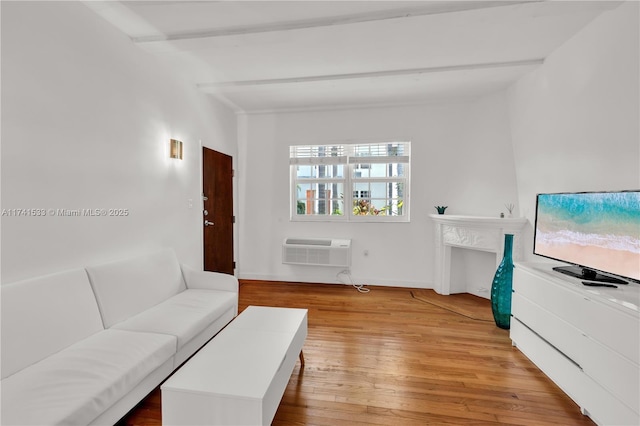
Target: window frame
x=349, y=160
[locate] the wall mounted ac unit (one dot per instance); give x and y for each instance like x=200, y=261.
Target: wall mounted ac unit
x=317, y=251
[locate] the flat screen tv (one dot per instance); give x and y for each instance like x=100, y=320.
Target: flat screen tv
x=596, y=233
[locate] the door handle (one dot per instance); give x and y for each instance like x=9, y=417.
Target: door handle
x=207, y=223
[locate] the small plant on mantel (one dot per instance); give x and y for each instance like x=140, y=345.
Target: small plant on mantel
x=441, y=209
x=510, y=208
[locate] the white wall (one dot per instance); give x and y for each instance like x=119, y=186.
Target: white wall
x=86, y=120
x=574, y=121
x=461, y=157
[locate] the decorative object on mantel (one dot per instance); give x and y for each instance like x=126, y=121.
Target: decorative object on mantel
x=510, y=208
x=441, y=209
x=501, y=215
x=501, y=287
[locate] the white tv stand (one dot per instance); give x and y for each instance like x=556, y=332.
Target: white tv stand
x=586, y=339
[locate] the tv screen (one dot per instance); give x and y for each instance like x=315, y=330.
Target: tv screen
x=596, y=231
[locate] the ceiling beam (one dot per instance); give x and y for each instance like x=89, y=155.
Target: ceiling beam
x=372, y=74
x=428, y=8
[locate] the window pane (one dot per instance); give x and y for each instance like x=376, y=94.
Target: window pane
x=318, y=198
x=318, y=171
x=320, y=207
x=381, y=170
x=320, y=190
x=378, y=207
x=361, y=170
x=379, y=190
x=304, y=171
x=378, y=198
x=301, y=189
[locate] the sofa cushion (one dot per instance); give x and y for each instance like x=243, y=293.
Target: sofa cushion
x=208, y=280
x=184, y=315
x=77, y=384
x=37, y=320
x=125, y=288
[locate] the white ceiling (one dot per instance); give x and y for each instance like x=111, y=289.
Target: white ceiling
x=285, y=55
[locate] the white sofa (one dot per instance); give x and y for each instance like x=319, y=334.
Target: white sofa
x=85, y=346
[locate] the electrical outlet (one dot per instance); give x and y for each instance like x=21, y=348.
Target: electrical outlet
x=365, y=253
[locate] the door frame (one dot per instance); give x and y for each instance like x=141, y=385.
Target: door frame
x=201, y=201
x=201, y=205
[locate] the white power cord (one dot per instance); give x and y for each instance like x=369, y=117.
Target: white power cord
x=360, y=287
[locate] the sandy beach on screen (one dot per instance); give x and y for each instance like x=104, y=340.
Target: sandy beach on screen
x=623, y=262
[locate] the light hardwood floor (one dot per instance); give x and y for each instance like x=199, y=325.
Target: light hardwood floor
x=388, y=358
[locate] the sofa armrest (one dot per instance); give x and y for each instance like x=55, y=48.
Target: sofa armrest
x=209, y=280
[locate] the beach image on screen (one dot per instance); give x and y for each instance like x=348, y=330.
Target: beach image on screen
x=594, y=230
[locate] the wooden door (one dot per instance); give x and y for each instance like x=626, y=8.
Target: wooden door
x=217, y=184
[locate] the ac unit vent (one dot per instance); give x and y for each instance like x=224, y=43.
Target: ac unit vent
x=308, y=242
x=317, y=251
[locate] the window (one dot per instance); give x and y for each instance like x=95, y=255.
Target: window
x=350, y=182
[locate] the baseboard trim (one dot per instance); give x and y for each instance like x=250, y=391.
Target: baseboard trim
x=357, y=280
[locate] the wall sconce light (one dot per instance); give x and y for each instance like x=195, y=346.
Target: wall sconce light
x=175, y=149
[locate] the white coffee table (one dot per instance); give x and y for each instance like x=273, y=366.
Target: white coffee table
x=239, y=377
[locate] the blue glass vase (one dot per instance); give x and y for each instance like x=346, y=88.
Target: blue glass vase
x=501, y=287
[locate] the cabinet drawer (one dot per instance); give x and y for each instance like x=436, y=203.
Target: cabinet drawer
x=613, y=372
x=616, y=329
x=559, y=368
x=605, y=409
x=560, y=301
x=562, y=335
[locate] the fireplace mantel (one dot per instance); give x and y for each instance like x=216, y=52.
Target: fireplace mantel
x=475, y=233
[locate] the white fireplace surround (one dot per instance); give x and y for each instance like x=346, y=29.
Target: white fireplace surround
x=475, y=233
